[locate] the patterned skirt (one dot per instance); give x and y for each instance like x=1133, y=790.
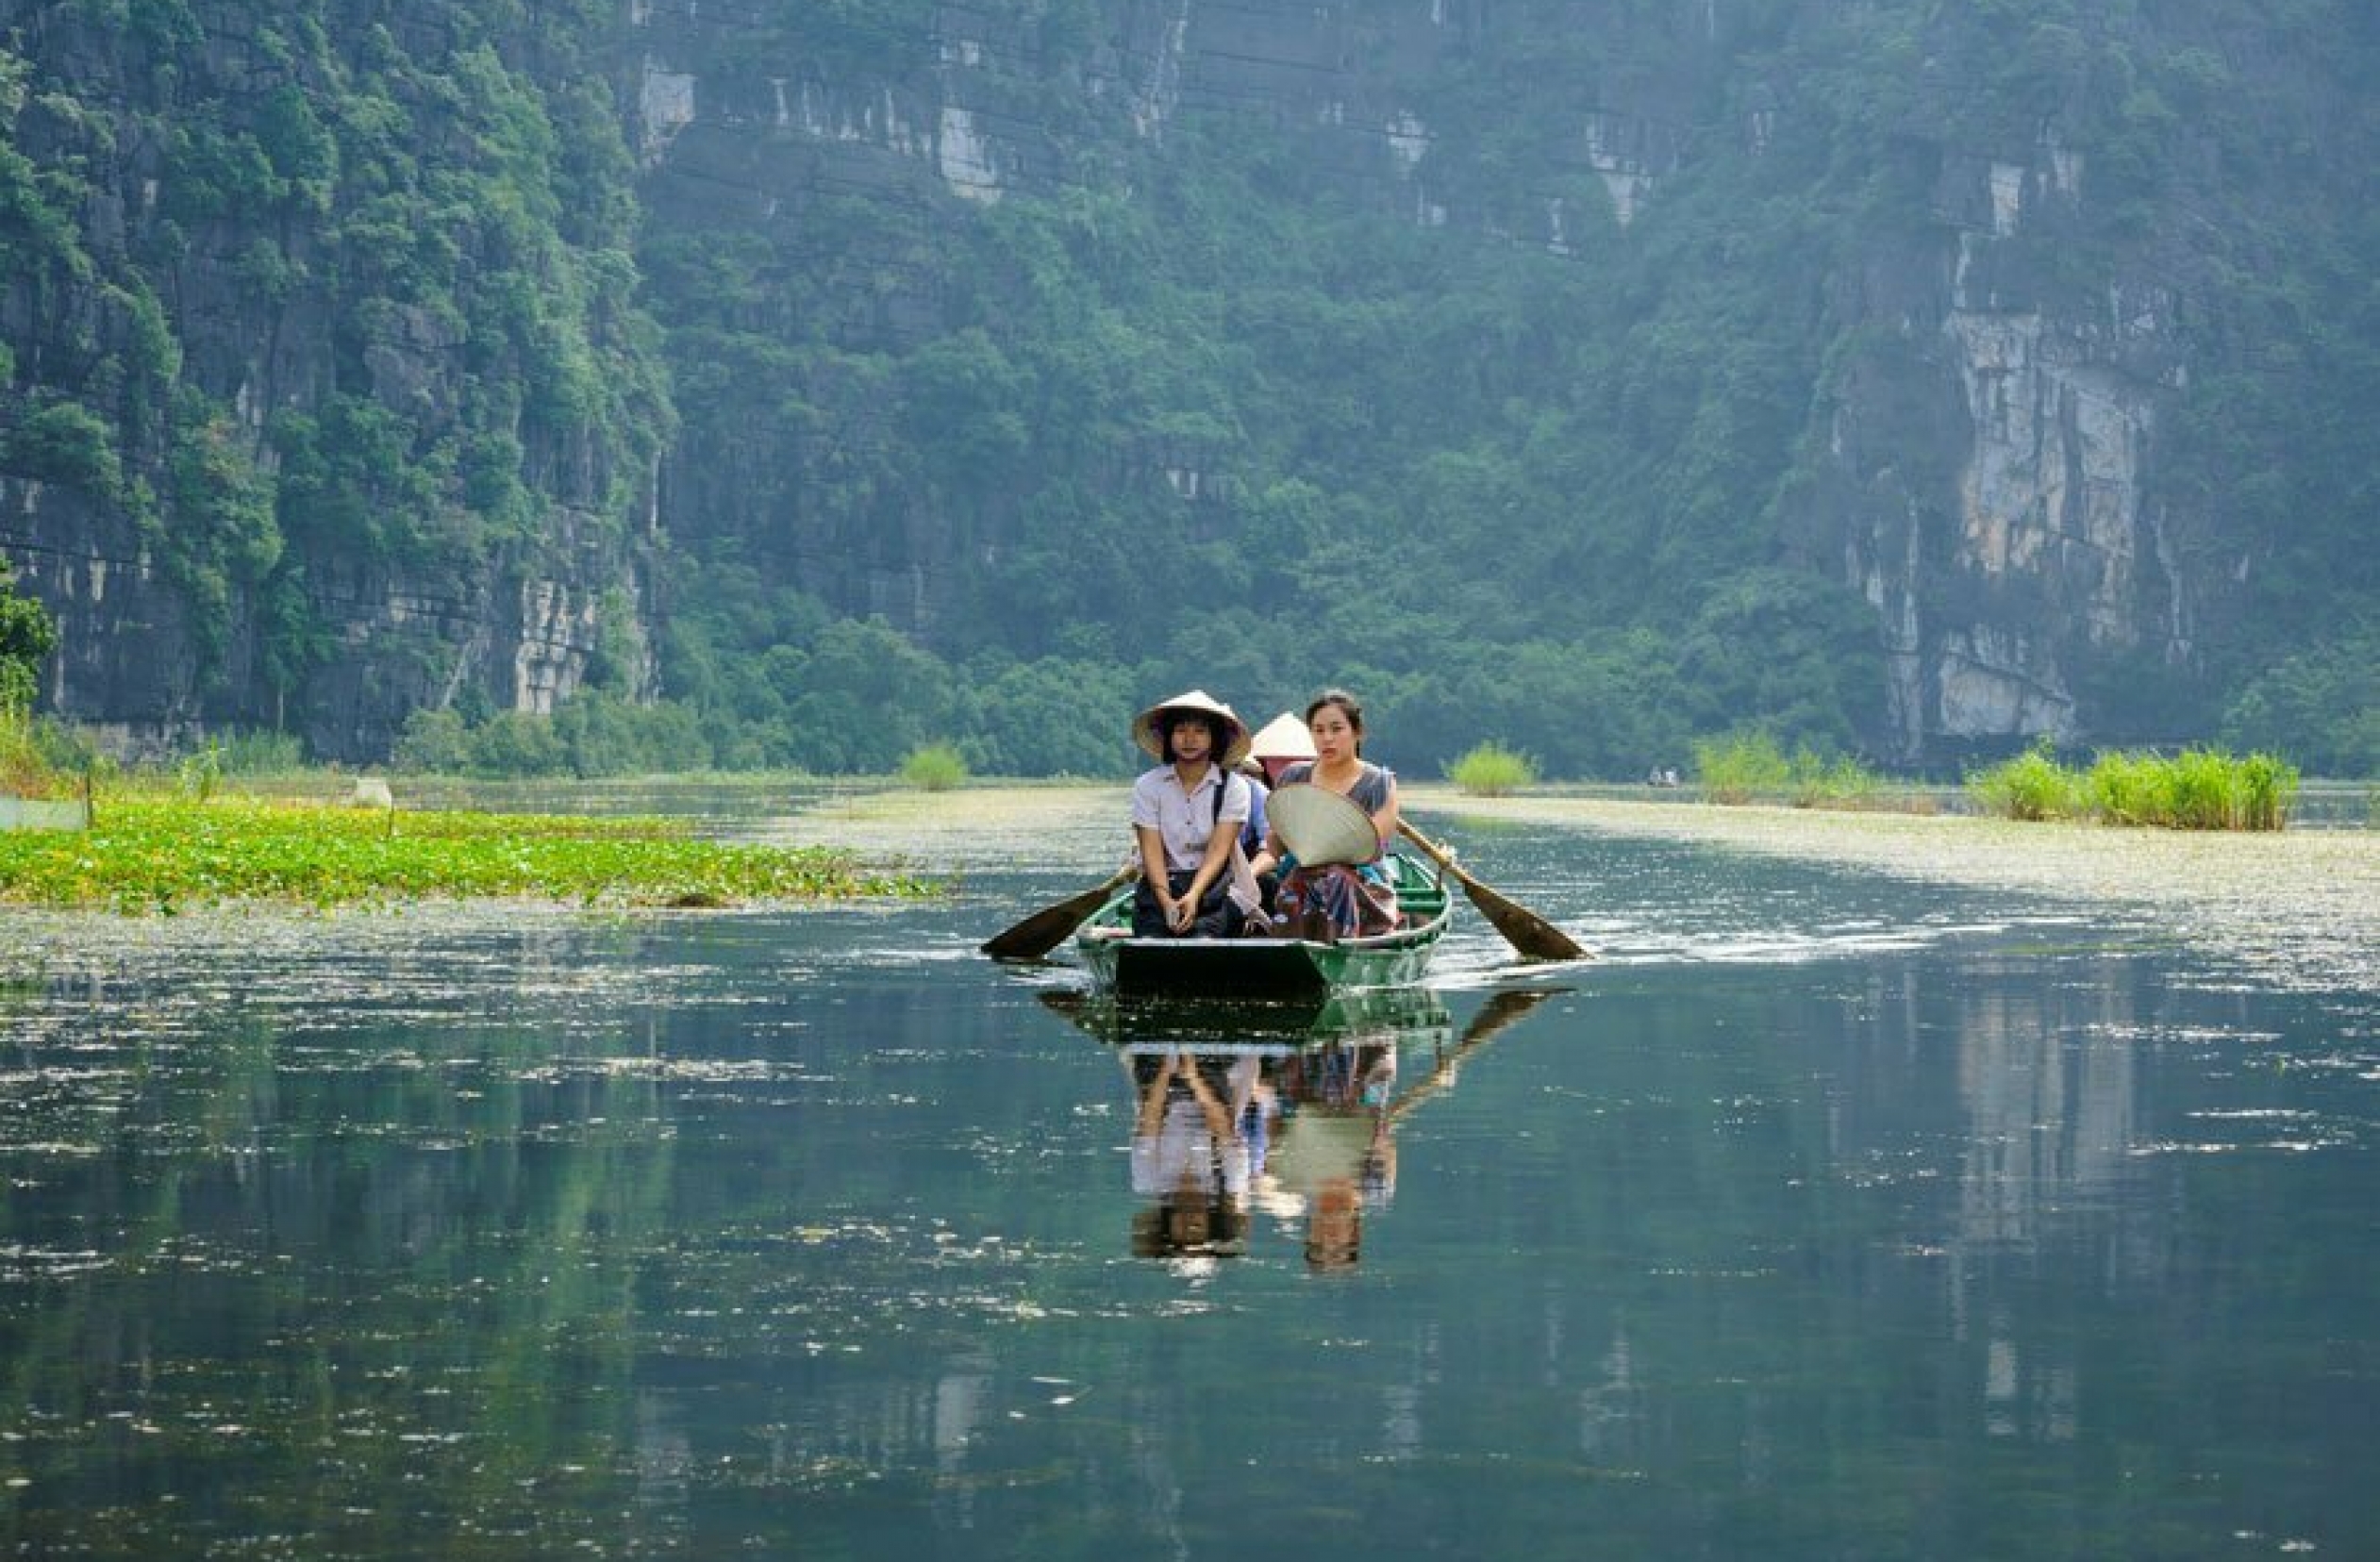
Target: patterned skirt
x=1359, y=902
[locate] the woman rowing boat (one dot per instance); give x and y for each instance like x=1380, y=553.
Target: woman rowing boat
x=1349, y=899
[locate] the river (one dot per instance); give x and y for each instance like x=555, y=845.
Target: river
x=1827, y=1214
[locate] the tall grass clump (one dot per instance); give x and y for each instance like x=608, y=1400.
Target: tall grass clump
x=2127, y=789
x=1492, y=770
x=2195, y=789
x=1821, y=781
x=2032, y=786
x=1737, y=766
x=263, y=753
x=934, y=767
x=23, y=772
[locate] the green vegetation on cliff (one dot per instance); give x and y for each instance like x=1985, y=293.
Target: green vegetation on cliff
x=1586, y=382
x=427, y=226
x=26, y=636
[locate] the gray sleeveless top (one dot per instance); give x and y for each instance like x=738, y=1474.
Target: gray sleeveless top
x=1370, y=792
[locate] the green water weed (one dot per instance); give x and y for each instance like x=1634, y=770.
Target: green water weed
x=150, y=856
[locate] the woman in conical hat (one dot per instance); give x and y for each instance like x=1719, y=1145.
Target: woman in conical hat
x=1280, y=744
x=1187, y=813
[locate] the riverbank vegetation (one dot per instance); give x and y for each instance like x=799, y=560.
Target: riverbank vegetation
x=2195, y=789
x=934, y=767
x=1492, y=770
x=1751, y=766
x=160, y=852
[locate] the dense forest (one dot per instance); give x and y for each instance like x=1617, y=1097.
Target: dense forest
x=576, y=386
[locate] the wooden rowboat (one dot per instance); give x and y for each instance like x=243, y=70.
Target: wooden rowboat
x=1268, y=967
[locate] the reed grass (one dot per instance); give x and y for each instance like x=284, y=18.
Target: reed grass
x=1739, y=766
x=1838, y=782
x=148, y=854
x=2033, y=785
x=1492, y=770
x=2194, y=789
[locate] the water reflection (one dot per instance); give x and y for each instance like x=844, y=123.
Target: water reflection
x=1286, y=1112
x=786, y=1235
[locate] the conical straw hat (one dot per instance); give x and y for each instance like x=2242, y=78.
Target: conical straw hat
x=1283, y=738
x=1235, y=744
x=1320, y=825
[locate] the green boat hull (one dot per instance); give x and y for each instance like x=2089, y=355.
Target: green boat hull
x=1268, y=969
x=1286, y=1024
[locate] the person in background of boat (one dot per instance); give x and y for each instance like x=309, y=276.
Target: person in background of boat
x=1350, y=900
x=1186, y=815
x=1252, y=836
x=1278, y=744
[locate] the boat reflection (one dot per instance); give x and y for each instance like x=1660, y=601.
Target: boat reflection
x=1283, y=1111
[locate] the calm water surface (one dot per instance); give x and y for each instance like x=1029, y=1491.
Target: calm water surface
x=1827, y=1216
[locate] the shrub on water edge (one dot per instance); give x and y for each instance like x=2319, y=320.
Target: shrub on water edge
x=934, y=767
x=263, y=753
x=2032, y=786
x=1492, y=770
x=2196, y=790
x=23, y=771
x=1735, y=766
x=1841, y=782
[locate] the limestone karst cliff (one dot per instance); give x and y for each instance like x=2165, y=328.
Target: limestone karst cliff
x=1934, y=378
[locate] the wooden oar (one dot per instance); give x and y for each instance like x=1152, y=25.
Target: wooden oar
x=1523, y=928
x=1045, y=929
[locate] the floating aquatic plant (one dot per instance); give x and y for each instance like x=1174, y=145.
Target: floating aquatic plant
x=152, y=855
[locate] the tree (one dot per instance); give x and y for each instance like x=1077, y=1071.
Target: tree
x=28, y=634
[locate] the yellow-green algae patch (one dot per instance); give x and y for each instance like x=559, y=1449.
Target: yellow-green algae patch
x=145, y=856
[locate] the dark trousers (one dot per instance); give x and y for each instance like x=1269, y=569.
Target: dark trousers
x=1217, y=914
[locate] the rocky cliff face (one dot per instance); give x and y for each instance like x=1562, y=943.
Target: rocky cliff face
x=2011, y=313
x=209, y=264
x=2003, y=527
x=1982, y=464
x=132, y=668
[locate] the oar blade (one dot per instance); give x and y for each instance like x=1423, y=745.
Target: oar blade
x=1523, y=928
x=1052, y=925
